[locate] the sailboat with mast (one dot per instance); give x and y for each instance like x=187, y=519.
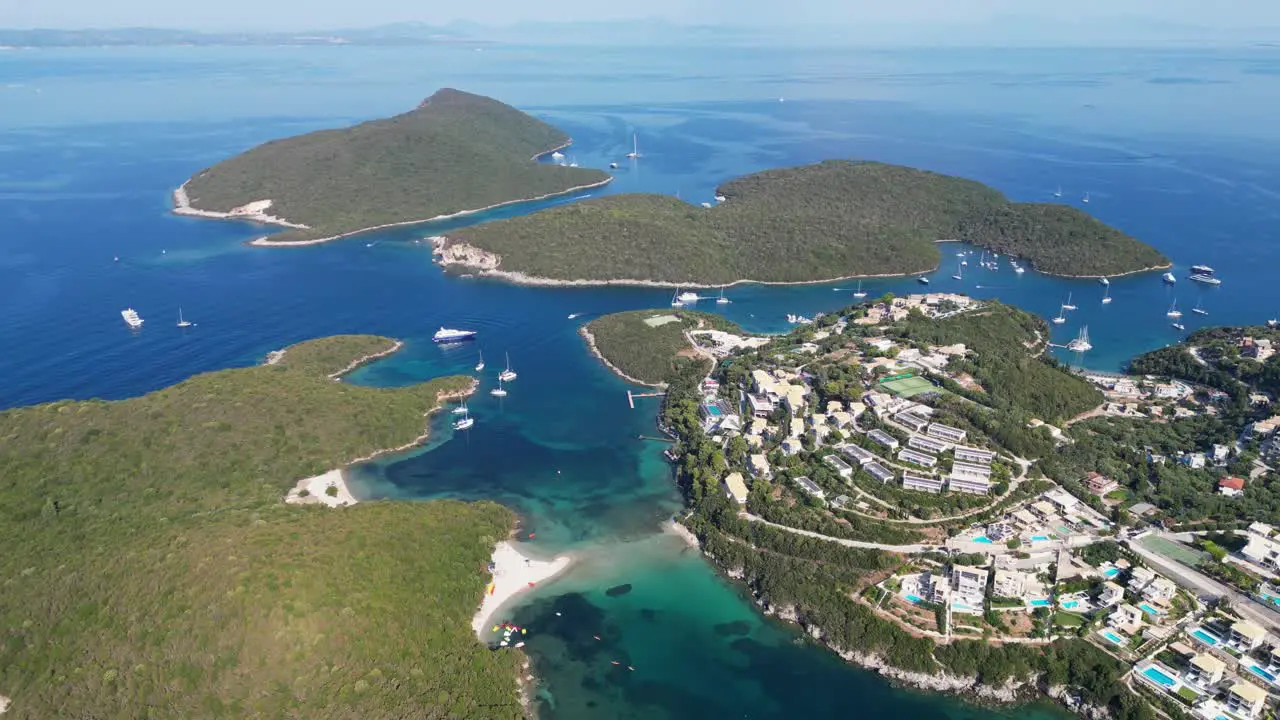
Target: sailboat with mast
x=499, y=391
x=675, y=299
x=1174, y=312
x=1199, y=308
x=1081, y=343
x=1058, y=193
x=507, y=375
x=635, y=147
x=722, y=300
x=183, y=322
x=464, y=422
x=959, y=273
x=1062, y=317
x=1086, y=198
x=1067, y=305
x=859, y=293
x=480, y=364
x=1106, y=295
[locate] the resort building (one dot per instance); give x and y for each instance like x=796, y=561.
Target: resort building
x=1062, y=500
x=973, y=486
x=1205, y=671
x=810, y=487
x=796, y=428
x=834, y=406
x=736, y=488
x=1160, y=590
x=970, y=581
x=915, y=422
x=761, y=406
x=974, y=455
x=795, y=399
x=1140, y=577
x=1261, y=549
x=978, y=472
x=946, y=432
x=881, y=437
x=841, y=467
x=840, y=419
x=1100, y=484
x=1273, y=660
x=1245, y=636
x=758, y=464
x=792, y=446
x=858, y=454
x=917, y=457
x=1246, y=700
x=1009, y=584
x=927, y=444
x=1126, y=617
x=922, y=483
x=879, y=472
x=1110, y=595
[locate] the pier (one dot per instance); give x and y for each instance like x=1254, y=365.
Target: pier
x=631, y=397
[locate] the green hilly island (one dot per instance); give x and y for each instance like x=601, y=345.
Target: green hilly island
x=649, y=345
x=454, y=152
x=150, y=567
x=817, y=222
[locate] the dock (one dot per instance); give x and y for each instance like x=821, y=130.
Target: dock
x=631, y=397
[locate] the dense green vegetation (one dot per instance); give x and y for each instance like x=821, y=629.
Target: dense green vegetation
x=1224, y=368
x=151, y=569
x=454, y=152
x=649, y=353
x=830, y=220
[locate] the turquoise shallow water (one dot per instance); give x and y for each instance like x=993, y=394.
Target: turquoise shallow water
x=563, y=448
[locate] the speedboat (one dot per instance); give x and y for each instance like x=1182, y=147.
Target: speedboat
x=922, y=280
x=1104, y=281
x=1169, y=278
x=1179, y=326
x=448, y=335
x=131, y=318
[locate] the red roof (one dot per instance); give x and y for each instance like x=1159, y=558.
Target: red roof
x=1234, y=483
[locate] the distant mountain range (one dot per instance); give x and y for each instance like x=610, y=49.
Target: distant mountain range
x=395, y=34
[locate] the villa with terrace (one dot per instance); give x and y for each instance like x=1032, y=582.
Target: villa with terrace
x=1245, y=636
x=1126, y=618
x=1205, y=671
x=1245, y=700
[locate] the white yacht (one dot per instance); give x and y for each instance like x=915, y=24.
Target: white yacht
x=557, y=156
x=131, y=317
x=1086, y=198
x=461, y=409
x=1201, y=270
x=922, y=280
x=183, y=322
x=1178, y=326
x=1081, y=343
x=1067, y=305
x=463, y=423
x=507, y=375
x=859, y=293
x=1061, y=318
x=635, y=147
x=1106, y=296
x=1273, y=323
x=689, y=297
x=499, y=391
x=448, y=335
x=1169, y=278
x=1174, y=312
x=480, y=363
x=1206, y=279
x=1199, y=308
x=1019, y=269
x=722, y=300
x=1104, y=281
x=959, y=273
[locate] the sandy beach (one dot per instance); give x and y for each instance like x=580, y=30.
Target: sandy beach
x=513, y=573
x=317, y=491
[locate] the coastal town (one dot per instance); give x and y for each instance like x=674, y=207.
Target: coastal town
x=848, y=432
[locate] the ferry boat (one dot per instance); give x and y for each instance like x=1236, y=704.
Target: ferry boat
x=448, y=335
x=1169, y=278
x=1206, y=279
x=507, y=375
x=131, y=317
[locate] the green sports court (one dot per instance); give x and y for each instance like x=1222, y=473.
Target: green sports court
x=909, y=386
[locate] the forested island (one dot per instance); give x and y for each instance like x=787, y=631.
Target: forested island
x=455, y=153
x=648, y=345
x=150, y=566
x=835, y=219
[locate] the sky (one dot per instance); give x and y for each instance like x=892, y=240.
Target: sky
x=326, y=14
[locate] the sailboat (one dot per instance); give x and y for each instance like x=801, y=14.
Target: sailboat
x=1174, y=312
x=1058, y=192
x=480, y=365
x=1179, y=326
x=1081, y=343
x=1106, y=295
x=182, y=322
x=1199, y=308
x=1067, y=305
x=508, y=374
x=722, y=300
x=859, y=293
x=461, y=409
x=959, y=273
x=635, y=147
x=1062, y=317
x=675, y=299
x=1086, y=199
x=464, y=422
x=499, y=391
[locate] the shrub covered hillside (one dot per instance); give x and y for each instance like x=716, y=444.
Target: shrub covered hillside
x=151, y=569
x=648, y=345
x=455, y=152
x=817, y=222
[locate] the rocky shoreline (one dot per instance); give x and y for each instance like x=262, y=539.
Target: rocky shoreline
x=591, y=345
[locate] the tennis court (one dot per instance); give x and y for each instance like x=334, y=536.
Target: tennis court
x=1172, y=550
x=908, y=387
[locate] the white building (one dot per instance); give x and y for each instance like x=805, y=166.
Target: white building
x=946, y=432
x=1010, y=584
x=1161, y=590
x=810, y=487
x=857, y=453
x=792, y=446
x=1139, y=578
x=1245, y=636
x=1261, y=549
x=974, y=455
x=978, y=472
x=970, y=581
x=1062, y=500
x=1125, y=617
x=927, y=444
x=736, y=488
x=971, y=485
x=758, y=464
x=1110, y=595
x=922, y=483
x=879, y=472
x=881, y=437
x=917, y=457
x=1246, y=700
x=1205, y=671
x=841, y=467
x=915, y=422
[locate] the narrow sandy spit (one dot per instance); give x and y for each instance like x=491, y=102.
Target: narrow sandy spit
x=513, y=573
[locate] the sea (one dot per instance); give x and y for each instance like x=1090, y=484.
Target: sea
x=1175, y=146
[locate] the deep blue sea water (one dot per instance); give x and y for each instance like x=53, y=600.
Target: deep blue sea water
x=1175, y=147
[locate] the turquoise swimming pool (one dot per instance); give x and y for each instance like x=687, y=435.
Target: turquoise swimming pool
x=1205, y=637
x=1040, y=602
x=1144, y=607
x=982, y=539
x=1110, y=572
x=1160, y=678
x=914, y=599
x=1039, y=538
x=1269, y=677
x=1071, y=605
x=1112, y=637
x=713, y=411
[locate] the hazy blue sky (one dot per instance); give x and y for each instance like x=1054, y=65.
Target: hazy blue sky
x=304, y=14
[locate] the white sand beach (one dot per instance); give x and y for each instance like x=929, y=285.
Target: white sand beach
x=513, y=573
x=317, y=491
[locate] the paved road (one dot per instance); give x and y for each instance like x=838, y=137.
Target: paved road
x=842, y=541
x=1204, y=585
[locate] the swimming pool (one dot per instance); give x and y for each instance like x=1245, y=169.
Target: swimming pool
x=1205, y=637
x=914, y=599
x=983, y=539
x=713, y=410
x=1161, y=679
x=1114, y=638
x=1110, y=572
x=1040, y=602
x=1262, y=673
x=1039, y=538
x=1144, y=607
x=959, y=606
x=1071, y=605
